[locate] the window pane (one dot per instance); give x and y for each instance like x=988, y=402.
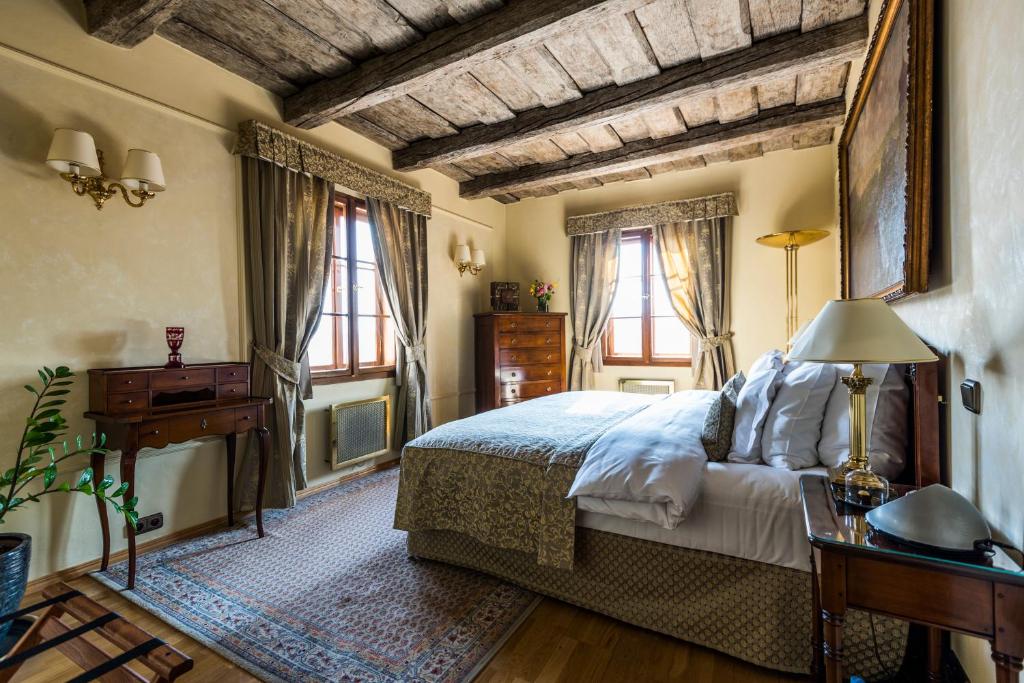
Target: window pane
x=660, y=302
x=389, y=341
x=628, y=298
x=671, y=339
x=368, y=297
x=340, y=231
x=626, y=336
x=329, y=300
x=340, y=285
x=364, y=240
x=321, y=347
x=369, y=354
x=631, y=259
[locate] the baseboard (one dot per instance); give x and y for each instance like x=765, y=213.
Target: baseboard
x=36, y=586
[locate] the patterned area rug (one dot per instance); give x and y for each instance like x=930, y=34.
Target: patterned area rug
x=328, y=595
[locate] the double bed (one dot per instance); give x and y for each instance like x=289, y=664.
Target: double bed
x=714, y=553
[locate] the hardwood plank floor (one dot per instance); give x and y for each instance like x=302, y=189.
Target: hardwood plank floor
x=558, y=642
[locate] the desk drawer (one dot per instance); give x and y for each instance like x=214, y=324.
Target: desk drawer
x=524, y=390
x=529, y=323
x=201, y=424
x=153, y=434
x=238, y=390
x=531, y=339
x=245, y=418
x=173, y=379
x=530, y=356
x=119, y=404
x=526, y=373
x=232, y=374
x=127, y=381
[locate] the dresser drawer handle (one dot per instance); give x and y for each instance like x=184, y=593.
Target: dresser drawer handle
x=513, y=392
x=512, y=326
x=184, y=377
x=549, y=373
x=129, y=381
x=547, y=357
x=548, y=389
x=130, y=401
x=514, y=357
x=231, y=374
x=548, y=340
x=155, y=432
x=514, y=374
x=547, y=324
x=247, y=417
x=514, y=340
x=233, y=391
x=202, y=425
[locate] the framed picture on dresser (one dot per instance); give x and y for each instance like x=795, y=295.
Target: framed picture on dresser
x=885, y=164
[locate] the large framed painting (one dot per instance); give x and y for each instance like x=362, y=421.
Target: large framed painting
x=885, y=167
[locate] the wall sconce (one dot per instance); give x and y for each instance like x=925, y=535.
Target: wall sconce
x=74, y=155
x=463, y=261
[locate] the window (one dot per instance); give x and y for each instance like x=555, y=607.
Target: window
x=643, y=329
x=356, y=335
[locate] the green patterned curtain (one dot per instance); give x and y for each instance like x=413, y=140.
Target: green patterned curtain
x=287, y=225
x=695, y=261
x=594, y=275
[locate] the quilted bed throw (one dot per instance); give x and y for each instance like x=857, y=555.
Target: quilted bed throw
x=502, y=476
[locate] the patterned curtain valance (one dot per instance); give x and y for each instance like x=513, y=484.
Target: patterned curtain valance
x=653, y=214
x=256, y=139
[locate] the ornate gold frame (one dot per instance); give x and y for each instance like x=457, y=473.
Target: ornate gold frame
x=917, y=222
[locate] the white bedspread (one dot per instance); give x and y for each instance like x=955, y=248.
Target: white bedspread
x=651, y=462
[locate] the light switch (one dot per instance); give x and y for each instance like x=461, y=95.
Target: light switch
x=970, y=394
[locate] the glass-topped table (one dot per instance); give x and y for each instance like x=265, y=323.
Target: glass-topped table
x=858, y=567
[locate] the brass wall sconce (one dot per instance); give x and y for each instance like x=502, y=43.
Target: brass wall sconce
x=464, y=261
x=73, y=154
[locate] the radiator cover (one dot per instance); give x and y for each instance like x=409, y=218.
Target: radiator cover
x=647, y=386
x=359, y=430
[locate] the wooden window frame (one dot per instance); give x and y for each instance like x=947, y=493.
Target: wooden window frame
x=648, y=359
x=353, y=373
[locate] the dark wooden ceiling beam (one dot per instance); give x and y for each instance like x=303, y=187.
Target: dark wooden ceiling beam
x=781, y=56
x=127, y=23
x=444, y=53
x=785, y=120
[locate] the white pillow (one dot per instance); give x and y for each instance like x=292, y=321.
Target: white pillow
x=752, y=405
x=793, y=426
x=888, y=397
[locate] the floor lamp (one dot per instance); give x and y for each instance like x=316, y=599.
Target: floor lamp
x=791, y=241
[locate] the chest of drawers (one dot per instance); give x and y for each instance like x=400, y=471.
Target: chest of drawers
x=519, y=356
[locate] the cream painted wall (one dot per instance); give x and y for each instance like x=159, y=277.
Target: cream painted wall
x=95, y=289
x=973, y=312
x=781, y=190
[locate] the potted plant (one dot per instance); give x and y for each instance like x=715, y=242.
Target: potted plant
x=542, y=291
x=36, y=469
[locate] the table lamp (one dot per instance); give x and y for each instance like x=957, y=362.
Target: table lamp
x=859, y=331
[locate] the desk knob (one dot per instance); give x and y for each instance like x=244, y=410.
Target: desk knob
x=130, y=401
x=129, y=381
x=202, y=424
x=247, y=417
x=156, y=432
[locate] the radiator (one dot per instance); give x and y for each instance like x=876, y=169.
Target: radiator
x=647, y=386
x=359, y=430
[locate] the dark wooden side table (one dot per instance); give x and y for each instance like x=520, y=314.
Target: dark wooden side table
x=153, y=407
x=854, y=567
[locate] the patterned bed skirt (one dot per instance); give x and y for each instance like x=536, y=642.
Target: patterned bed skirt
x=757, y=612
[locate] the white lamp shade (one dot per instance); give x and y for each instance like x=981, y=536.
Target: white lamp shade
x=462, y=254
x=142, y=169
x=478, y=257
x=73, y=149
x=859, y=331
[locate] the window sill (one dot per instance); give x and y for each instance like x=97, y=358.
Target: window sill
x=343, y=376
x=640, y=362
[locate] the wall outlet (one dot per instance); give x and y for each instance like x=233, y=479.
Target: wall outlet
x=149, y=523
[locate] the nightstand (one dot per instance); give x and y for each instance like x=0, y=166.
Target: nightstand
x=856, y=568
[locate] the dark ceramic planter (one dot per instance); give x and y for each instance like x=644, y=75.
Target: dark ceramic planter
x=15, y=552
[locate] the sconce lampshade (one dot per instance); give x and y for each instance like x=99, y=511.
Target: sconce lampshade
x=73, y=151
x=478, y=258
x=142, y=169
x=462, y=254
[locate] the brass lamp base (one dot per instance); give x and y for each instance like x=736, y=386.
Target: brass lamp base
x=866, y=489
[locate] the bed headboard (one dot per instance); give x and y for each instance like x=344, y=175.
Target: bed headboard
x=924, y=452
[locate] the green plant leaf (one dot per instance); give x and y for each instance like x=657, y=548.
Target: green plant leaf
x=57, y=392
x=48, y=371
x=55, y=402
x=86, y=476
x=107, y=482
x=65, y=486
x=49, y=475
x=120, y=490
x=132, y=502
x=29, y=387
x=132, y=516
x=63, y=383
x=43, y=377
x=50, y=412
x=63, y=371
x=85, y=488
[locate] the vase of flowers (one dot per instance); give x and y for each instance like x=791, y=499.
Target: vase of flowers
x=542, y=292
x=37, y=467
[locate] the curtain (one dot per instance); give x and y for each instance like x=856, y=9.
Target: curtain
x=400, y=245
x=287, y=224
x=594, y=275
x=695, y=261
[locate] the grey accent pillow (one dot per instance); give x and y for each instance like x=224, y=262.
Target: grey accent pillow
x=720, y=419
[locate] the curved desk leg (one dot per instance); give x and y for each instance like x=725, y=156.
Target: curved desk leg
x=97, y=464
x=230, y=441
x=128, y=455
x=264, y=436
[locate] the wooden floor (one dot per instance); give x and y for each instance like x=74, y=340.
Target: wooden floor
x=558, y=642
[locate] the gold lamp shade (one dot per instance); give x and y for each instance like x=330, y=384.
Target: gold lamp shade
x=791, y=241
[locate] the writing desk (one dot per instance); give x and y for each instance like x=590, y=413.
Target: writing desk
x=151, y=407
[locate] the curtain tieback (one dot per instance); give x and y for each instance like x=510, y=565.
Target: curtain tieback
x=416, y=354
x=286, y=369
x=582, y=351
x=714, y=342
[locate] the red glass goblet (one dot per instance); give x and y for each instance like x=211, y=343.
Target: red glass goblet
x=175, y=338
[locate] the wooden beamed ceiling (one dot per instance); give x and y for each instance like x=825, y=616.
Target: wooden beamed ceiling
x=527, y=98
